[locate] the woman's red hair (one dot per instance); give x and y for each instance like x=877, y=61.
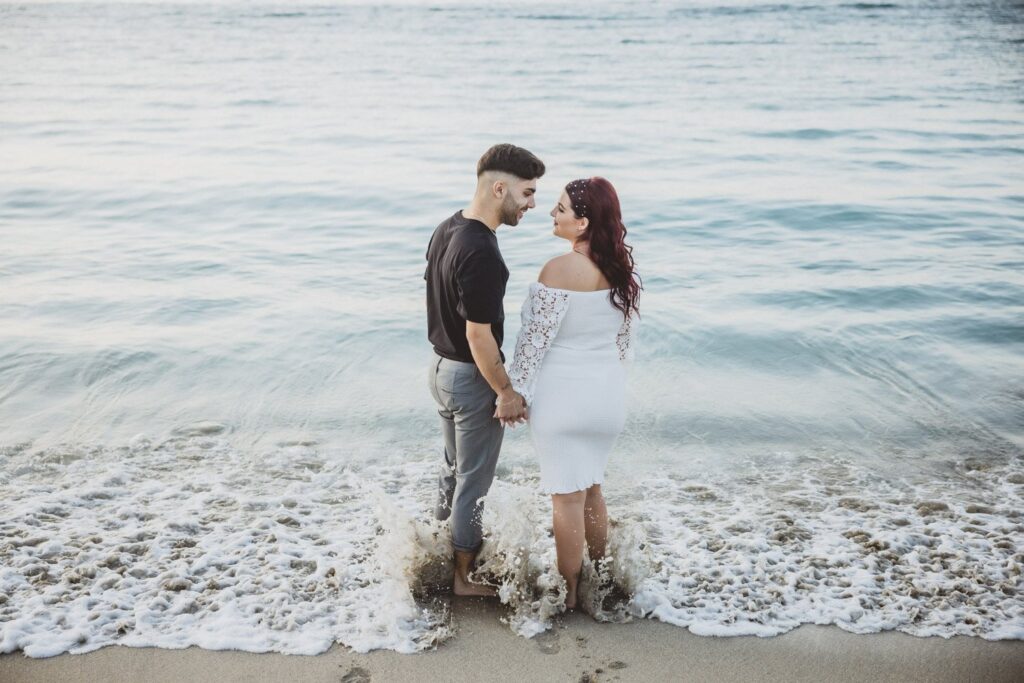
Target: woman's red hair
x=606, y=235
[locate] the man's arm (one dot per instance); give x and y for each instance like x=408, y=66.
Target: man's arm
x=511, y=406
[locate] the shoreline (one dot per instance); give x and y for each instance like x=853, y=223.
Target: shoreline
x=576, y=649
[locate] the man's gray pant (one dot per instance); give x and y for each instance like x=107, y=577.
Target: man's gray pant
x=472, y=439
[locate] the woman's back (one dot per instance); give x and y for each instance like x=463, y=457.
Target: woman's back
x=590, y=324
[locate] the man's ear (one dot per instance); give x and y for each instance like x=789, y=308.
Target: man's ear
x=499, y=188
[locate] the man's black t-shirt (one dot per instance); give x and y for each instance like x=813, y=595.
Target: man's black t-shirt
x=466, y=279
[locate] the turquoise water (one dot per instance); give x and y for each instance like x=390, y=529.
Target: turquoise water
x=219, y=213
x=213, y=221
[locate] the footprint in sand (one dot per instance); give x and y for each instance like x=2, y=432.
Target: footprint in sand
x=588, y=677
x=356, y=675
x=547, y=642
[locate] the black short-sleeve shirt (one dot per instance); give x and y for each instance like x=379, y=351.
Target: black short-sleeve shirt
x=466, y=279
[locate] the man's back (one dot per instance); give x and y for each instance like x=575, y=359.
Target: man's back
x=466, y=278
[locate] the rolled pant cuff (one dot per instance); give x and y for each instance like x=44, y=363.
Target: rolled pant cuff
x=470, y=549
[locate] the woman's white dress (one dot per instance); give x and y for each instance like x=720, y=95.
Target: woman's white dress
x=569, y=365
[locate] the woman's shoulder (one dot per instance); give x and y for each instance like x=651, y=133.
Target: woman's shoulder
x=556, y=271
x=572, y=271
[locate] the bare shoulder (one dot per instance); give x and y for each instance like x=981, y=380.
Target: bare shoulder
x=570, y=271
x=555, y=272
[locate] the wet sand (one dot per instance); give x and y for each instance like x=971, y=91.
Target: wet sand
x=577, y=649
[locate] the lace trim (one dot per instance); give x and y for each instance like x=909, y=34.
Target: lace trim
x=541, y=316
x=624, y=339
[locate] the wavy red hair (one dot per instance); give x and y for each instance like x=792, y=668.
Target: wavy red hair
x=606, y=236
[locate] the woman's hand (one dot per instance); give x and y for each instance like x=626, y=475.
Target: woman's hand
x=511, y=408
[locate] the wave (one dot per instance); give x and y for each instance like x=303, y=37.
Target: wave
x=193, y=542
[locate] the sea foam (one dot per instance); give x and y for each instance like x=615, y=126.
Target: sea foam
x=192, y=541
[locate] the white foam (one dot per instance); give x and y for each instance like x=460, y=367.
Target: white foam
x=762, y=558
x=193, y=542
x=188, y=544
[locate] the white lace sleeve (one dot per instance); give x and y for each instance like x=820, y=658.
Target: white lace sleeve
x=542, y=315
x=626, y=339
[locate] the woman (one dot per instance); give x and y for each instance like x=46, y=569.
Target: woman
x=568, y=365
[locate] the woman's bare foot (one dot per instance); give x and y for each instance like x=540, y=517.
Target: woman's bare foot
x=572, y=597
x=463, y=586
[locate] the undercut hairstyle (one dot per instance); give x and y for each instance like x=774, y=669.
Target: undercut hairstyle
x=510, y=159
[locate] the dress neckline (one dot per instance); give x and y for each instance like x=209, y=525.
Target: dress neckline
x=573, y=291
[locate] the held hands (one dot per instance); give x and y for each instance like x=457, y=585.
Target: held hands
x=511, y=409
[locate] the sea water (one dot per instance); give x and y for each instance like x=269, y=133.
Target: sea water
x=215, y=427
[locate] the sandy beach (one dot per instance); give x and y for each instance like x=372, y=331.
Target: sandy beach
x=577, y=649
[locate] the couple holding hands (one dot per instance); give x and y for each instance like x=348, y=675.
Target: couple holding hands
x=567, y=375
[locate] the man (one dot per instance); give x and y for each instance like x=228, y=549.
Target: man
x=466, y=279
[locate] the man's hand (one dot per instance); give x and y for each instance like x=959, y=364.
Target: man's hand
x=511, y=408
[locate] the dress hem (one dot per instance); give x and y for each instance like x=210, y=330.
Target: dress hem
x=551, y=492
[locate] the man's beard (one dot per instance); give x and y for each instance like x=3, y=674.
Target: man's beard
x=509, y=212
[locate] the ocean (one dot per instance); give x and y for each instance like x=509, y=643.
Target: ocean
x=215, y=427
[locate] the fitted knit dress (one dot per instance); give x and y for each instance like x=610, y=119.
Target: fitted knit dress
x=569, y=365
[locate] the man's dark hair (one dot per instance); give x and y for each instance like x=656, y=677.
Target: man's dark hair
x=510, y=159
